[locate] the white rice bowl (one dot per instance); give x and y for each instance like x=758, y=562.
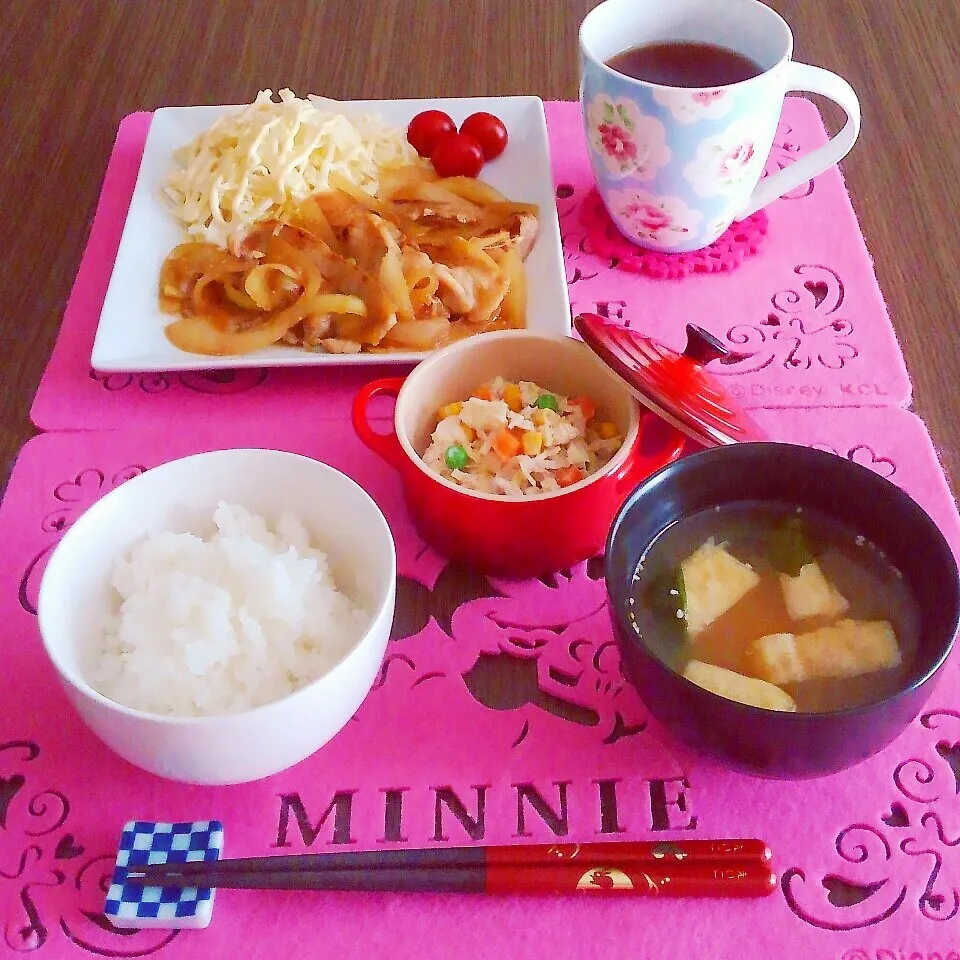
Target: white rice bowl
x=224, y=617
x=77, y=606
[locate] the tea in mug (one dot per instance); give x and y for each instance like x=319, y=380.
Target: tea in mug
x=682, y=63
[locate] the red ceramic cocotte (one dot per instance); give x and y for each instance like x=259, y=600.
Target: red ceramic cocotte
x=514, y=537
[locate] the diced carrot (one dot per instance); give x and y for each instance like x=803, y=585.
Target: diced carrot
x=512, y=397
x=607, y=430
x=506, y=444
x=450, y=410
x=532, y=443
x=567, y=476
x=586, y=405
x=483, y=393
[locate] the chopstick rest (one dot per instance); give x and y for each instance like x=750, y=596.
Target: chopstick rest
x=134, y=906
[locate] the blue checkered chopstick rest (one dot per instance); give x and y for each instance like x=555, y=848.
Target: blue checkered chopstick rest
x=142, y=842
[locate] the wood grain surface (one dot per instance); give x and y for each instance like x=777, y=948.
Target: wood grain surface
x=70, y=69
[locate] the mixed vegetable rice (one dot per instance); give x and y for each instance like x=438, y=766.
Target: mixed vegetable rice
x=519, y=439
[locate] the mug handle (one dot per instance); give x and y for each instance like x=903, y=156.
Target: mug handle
x=804, y=78
x=385, y=445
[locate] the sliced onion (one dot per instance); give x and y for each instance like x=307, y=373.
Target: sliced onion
x=417, y=334
x=394, y=283
x=262, y=285
x=238, y=296
x=199, y=335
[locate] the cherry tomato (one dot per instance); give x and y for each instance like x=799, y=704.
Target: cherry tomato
x=457, y=155
x=488, y=131
x=427, y=129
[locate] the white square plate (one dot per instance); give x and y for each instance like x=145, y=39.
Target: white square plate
x=130, y=336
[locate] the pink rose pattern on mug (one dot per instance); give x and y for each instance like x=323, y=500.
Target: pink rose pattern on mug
x=676, y=165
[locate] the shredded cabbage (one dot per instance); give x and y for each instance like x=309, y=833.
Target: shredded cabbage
x=257, y=162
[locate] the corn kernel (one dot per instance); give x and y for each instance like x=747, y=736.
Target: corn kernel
x=512, y=397
x=469, y=433
x=532, y=443
x=607, y=430
x=450, y=410
x=539, y=417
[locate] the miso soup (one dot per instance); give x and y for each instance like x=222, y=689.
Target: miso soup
x=777, y=606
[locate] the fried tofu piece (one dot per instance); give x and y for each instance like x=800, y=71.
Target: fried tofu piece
x=713, y=581
x=848, y=648
x=735, y=686
x=810, y=594
x=776, y=656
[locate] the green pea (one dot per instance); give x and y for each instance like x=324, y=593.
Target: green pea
x=547, y=401
x=455, y=457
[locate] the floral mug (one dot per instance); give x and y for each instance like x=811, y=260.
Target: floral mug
x=676, y=166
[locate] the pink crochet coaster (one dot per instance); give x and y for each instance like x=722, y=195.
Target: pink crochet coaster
x=428, y=762
x=805, y=315
x=741, y=240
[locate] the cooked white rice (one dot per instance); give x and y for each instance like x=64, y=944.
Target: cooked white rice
x=227, y=617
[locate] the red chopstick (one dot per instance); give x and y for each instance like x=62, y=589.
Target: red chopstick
x=682, y=880
x=714, y=868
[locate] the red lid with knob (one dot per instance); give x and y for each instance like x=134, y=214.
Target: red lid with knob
x=674, y=385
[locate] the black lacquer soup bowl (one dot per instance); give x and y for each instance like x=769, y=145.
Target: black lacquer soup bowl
x=769, y=742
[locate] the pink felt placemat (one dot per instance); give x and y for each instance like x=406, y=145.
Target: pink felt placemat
x=886, y=830
x=805, y=315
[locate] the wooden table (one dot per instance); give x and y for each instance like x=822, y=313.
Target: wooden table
x=69, y=71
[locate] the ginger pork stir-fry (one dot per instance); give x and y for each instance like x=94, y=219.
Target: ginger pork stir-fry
x=425, y=262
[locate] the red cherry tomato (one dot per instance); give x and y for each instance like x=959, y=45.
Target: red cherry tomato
x=427, y=129
x=488, y=131
x=457, y=156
